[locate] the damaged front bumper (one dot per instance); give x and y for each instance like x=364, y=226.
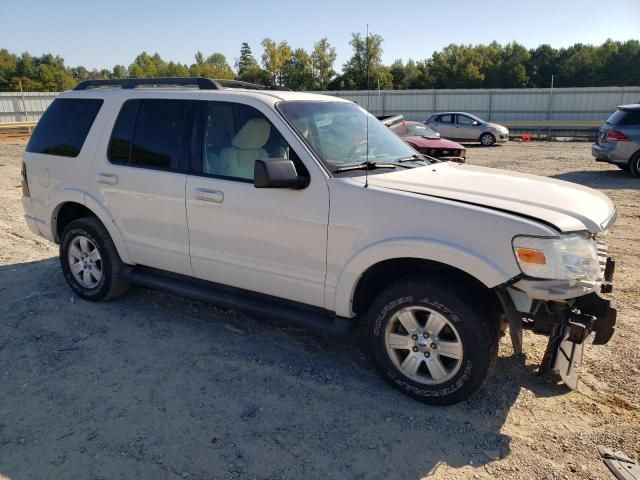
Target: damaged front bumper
x=568, y=323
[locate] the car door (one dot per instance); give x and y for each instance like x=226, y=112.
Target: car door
x=444, y=125
x=140, y=177
x=466, y=128
x=267, y=240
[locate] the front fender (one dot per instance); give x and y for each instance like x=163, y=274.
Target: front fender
x=449, y=254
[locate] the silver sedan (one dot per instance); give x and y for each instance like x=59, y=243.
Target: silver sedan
x=465, y=127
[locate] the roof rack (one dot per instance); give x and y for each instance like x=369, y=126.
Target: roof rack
x=193, y=82
x=247, y=85
x=201, y=83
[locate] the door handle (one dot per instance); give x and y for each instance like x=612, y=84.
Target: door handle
x=206, y=195
x=108, y=178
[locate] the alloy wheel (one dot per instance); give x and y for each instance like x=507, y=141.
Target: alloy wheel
x=85, y=262
x=424, y=345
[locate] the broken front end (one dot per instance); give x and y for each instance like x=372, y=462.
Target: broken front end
x=566, y=310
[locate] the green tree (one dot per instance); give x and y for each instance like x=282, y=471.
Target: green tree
x=457, y=66
x=7, y=67
x=543, y=62
x=220, y=67
x=323, y=56
x=367, y=56
x=146, y=66
x=399, y=75
x=274, y=58
x=119, y=71
x=297, y=72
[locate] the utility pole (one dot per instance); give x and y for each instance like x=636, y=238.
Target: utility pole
x=550, y=108
x=24, y=106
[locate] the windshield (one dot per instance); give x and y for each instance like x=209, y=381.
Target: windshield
x=419, y=130
x=337, y=132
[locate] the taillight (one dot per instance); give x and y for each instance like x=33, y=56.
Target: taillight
x=25, y=182
x=616, y=136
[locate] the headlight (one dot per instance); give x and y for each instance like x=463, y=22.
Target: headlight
x=568, y=257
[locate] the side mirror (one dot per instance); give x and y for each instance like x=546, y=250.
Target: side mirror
x=475, y=123
x=277, y=173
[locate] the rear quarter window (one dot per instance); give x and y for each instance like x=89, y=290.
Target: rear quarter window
x=64, y=127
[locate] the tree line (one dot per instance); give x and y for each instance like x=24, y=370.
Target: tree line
x=455, y=66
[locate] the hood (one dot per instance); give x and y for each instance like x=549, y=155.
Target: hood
x=567, y=206
x=426, y=142
x=496, y=126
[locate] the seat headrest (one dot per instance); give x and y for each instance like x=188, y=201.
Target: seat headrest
x=254, y=134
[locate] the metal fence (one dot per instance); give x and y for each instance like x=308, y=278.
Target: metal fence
x=519, y=105
x=24, y=107
x=508, y=105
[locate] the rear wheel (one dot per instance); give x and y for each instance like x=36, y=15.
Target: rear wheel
x=487, y=139
x=429, y=343
x=634, y=165
x=90, y=261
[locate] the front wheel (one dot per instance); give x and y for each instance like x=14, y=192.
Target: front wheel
x=487, y=139
x=429, y=343
x=634, y=165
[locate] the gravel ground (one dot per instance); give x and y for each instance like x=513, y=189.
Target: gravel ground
x=155, y=386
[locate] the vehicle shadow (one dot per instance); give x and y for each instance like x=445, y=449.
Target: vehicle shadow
x=604, y=179
x=479, y=145
x=166, y=387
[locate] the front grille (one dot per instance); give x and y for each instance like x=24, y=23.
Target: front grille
x=440, y=152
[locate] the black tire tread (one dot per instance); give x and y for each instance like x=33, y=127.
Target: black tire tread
x=472, y=300
x=633, y=164
x=117, y=285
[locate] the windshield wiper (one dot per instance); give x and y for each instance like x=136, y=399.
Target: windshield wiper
x=410, y=158
x=364, y=166
x=418, y=158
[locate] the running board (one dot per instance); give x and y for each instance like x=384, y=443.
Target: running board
x=254, y=304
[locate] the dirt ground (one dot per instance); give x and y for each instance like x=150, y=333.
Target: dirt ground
x=155, y=386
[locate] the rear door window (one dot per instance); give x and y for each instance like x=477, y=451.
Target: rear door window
x=64, y=126
x=153, y=134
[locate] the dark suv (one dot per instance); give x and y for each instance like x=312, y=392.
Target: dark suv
x=619, y=139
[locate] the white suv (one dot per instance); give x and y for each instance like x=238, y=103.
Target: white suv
x=306, y=208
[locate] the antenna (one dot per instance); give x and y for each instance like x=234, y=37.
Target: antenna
x=366, y=171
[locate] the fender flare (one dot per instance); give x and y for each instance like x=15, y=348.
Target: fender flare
x=481, y=268
x=84, y=198
x=110, y=224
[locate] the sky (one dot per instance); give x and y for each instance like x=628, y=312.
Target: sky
x=103, y=34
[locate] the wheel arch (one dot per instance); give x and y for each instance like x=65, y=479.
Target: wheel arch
x=70, y=210
x=486, y=132
x=371, y=270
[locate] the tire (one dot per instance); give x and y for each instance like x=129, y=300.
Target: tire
x=92, y=276
x=634, y=164
x=466, y=331
x=487, y=139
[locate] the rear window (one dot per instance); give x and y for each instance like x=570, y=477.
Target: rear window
x=152, y=133
x=64, y=127
x=625, y=117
